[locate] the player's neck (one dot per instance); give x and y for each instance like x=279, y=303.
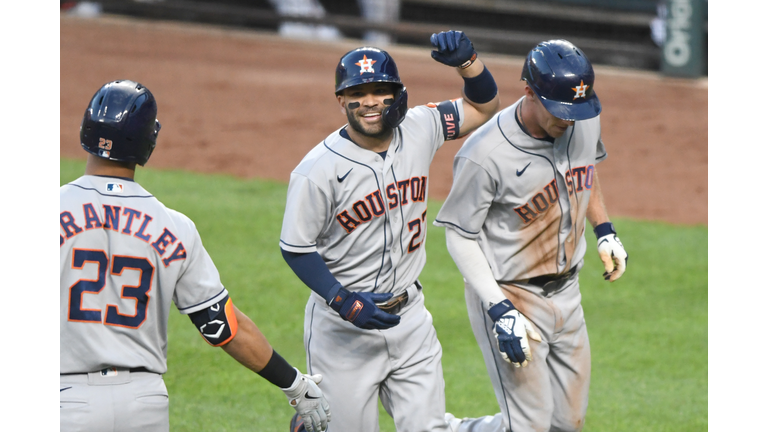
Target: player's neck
x=374, y=144
x=102, y=167
x=527, y=117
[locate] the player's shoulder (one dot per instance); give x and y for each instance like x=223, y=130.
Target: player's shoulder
x=425, y=122
x=178, y=217
x=421, y=113
x=179, y=223
x=590, y=124
x=71, y=186
x=321, y=157
x=104, y=187
x=488, y=138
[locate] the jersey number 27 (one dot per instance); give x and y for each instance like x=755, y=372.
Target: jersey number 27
x=119, y=264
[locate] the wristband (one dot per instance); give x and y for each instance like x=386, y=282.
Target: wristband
x=499, y=309
x=339, y=298
x=482, y=88
x=604, y=229
x=278, y=371
x=469, y=62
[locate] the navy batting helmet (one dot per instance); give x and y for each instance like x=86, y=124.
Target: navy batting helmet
x=562, y=77
x=119, y=123
x=368, y=65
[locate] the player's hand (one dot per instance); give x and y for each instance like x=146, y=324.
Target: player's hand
x=306, y=398
x=512, y=330
x=453, y=48
x=360, y=309
x=611, y=251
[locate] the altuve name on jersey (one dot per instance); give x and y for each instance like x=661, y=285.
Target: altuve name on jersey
x=576, y=180
x=373, y=204
x=112, y=221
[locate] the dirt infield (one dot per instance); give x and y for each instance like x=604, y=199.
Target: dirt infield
x=252, y=104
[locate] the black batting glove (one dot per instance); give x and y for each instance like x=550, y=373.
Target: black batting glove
x=453, y=48
x=360, y=309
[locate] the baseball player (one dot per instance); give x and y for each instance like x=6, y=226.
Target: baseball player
x=354, y=232
x=124, y=258
x=523, y=185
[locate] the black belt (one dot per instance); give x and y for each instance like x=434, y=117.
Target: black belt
x=396, y=304
x=540, y=281
x=138, y=369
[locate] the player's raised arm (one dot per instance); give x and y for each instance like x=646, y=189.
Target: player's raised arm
x=481, y=96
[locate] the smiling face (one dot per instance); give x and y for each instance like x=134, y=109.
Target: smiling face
x=363, y=105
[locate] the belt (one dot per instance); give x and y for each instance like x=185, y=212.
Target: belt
x=396, y=304
x=104, y=371
x=540, y=281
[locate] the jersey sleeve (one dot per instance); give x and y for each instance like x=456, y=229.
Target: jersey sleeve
x=600, y=153
x=468, y=202
x=450, y=117
x=302, y=223
x=199, y=284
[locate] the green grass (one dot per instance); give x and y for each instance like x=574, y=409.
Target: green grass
x=648, y=331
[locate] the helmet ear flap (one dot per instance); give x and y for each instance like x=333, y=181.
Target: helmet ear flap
x=395, y=113
x=154, y=142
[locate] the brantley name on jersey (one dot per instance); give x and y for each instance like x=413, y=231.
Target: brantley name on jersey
x=111, y=220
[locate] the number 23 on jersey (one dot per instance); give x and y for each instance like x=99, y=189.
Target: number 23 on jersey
x=119, y=263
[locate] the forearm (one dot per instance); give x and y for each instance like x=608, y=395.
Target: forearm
x=480, y=90
x=480, y=94
x=474, y=267
x=596, y=212
x=251, y=349
x=249, y=346
x=313, y=271
x=473, y=70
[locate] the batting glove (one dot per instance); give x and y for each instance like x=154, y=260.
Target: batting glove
x=512, y=330
x=360, y=309
x=611, y=251
x=453, y=49
x=309, y=402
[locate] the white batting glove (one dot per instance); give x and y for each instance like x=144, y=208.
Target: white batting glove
x=611, y=251
x=309, y=402
x=512, y=330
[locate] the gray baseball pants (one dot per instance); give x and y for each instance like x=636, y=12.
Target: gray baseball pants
x=551, y=393
x=114, y=401
x=401, y=366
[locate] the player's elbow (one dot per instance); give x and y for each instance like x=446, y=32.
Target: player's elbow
x=217, y=323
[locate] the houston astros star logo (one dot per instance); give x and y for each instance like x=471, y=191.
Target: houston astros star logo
x=581, y=91
x=366, y=65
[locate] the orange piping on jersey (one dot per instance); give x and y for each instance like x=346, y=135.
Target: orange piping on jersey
x=122, y=290
x=91, y=218
x=69, y=304
x=362, y=211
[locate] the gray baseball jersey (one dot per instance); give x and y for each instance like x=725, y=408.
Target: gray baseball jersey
x=524, y=199
x=365, y=215
x=124, y=258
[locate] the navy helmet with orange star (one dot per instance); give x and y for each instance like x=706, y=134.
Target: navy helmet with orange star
x=562, y=77
x=371, y=65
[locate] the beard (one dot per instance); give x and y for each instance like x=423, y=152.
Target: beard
x=378, y=131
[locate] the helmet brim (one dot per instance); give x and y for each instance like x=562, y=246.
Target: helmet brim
x=380, y=78
x=583, y=110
